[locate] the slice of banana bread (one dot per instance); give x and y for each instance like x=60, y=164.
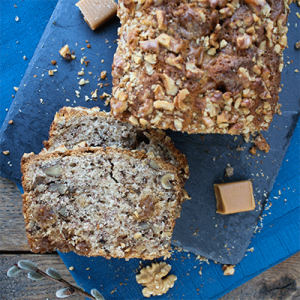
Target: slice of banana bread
x=100, y=202
x=73, y=125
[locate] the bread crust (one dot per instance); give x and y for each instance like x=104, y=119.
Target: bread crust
x=199, y=66
x=55, y=240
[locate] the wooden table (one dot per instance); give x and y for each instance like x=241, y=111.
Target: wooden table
x=280, y=282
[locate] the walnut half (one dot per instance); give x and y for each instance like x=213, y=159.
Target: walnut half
x=151, y=278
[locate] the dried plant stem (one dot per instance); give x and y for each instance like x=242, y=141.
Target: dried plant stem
x=65, y=283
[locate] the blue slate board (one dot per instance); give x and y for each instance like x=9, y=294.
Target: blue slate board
x=207, y=158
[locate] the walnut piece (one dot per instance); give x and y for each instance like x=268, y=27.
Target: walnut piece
x=151, y=278
x=261, y=143
x=65, y=52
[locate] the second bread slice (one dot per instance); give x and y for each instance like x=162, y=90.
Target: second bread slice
x=72, y=126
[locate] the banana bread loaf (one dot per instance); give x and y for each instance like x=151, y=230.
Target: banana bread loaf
x=72, y=126
x=100, y=202
x=201, y=66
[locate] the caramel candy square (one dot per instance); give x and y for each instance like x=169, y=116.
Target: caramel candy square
x=234, y=197
x=96, y=12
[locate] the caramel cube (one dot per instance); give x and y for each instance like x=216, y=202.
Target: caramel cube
x=96, y=12
x=234, y=197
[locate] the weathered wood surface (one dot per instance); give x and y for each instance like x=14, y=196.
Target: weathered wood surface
x=20, y=287
x=12, y=226
x=280, y=282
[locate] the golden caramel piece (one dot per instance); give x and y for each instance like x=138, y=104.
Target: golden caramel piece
x=234, y=197
x=96, y=12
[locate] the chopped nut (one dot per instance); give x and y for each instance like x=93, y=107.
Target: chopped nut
x=60, y=187
x=297, y=45
x=154, y=165
x=103, y=75
x=133, y=120
x=81, y=81
x=244, y=42
x=81, y=73
x=119, y=106
x=229, y=171
x=159, y=93
x=5, y=152
x=10, y=122
x=178, y=100
x=94, y=94
x=178, y=125
x=54, y=171
x=252, y=150
x=159, y=104
x=53, y=62
x=211, y=51
x=150, y=58
x=228, y=270
x=151, y=278
x=165, y=181
x=50, y=72
x=185, y=195
x=65, y=52
x=16, y=88
x=223, y=117
x=137, y=235
x=175, y=61
x=88, y=46
x=24, y=57
x=223, y=44
x=160, y=15
x=169, y=84
x=261, y=143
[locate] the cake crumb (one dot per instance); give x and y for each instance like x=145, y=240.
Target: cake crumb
x=228, y=270
x=252, y=150
x=229, y=171
x=261, y=143
x=65, y=52
x=103, y=75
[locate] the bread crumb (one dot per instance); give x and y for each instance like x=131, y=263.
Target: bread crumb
x=228, y=270
x=229, y=171
x=65, y=52
x=252, y=150
x=17, y=19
